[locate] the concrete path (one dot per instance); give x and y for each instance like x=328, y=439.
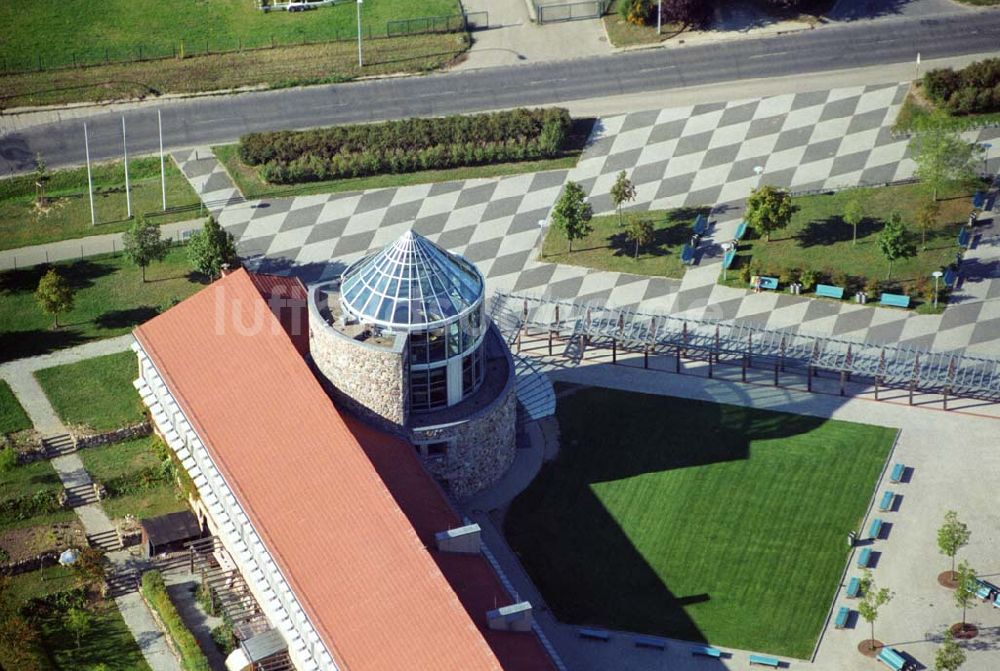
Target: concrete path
x=147, y=634
x=181, y=586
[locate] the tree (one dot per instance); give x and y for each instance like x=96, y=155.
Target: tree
x=854, y=214
x=965, y=592
x=639, y=231
x=768, y=209
x=950, y=656
x=89, y=565
x=873, y=599
x=927, y=217
x=210, y=248
x=688, y=12
x=143, y=245
x=892, y=241
x=572, y=213
x=952, y=537
x=78, y=622
x=943, y=158
x=41, y=179
x=622, y=191
x=54, y=294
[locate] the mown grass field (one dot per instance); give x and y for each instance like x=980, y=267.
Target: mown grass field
x=695, y=520
x=110, y=300
x=607, y=247
x=28, y=480
x=96, y=393
x=12, y=415
x=67, y=214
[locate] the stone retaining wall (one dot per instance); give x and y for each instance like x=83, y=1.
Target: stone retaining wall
x=40, y=561
x=140, y=430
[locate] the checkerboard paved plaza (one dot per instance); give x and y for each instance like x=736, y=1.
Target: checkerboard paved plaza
x=695, y=155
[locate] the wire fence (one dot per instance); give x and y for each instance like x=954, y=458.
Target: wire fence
x=147, y=51
x=549, y=12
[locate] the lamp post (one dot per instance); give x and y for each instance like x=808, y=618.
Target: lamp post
x=937, y=275
x=659, y=17
x=361, y=60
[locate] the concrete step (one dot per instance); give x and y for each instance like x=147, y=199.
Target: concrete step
x=122, y=582
x=105, y=541
x=80, y=495
x=58, y=445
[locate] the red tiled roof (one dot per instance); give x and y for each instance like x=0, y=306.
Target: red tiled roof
x=356, y=565
x=287, y=298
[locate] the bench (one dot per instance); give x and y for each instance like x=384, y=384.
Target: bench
x=886, y=503
x=741, y=230
x=875, y=529
x=687, y=255
x=727, y=258
x=700, y=224
x=649, y=642
x=894, y=300
x=854, y=588
x=984, y=592
x=765, y=282
x=829, y=291
x=595, y=634
x=706, y=651
x=841, y=620
x=996, y=602
x=765, y=661
x=979, y=199
x=892, y=659
x=897, y=473
x=950, y=278
x=864, y=557
x=963, y=237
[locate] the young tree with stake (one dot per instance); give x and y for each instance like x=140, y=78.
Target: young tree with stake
x=768, y=209
x=892, y=241
x=874, y=598
x=952, y=537
x=622, y=191
x=641, y=232
x=143, y=244
x=854, y=214
x=950, y=656
x=572, y=214
x=54, y=294
x=965, y=592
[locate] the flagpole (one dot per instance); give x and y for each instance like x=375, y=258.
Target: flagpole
x=916, y=69
x=163, y=174
x=128, y=191
x=90, y=181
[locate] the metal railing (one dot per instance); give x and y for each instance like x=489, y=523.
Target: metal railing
x=570, y=11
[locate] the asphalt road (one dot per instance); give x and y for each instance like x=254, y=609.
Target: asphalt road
x=218, y=119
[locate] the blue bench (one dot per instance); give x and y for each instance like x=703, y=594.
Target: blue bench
x=897, y=473
x=765, y=661
x=841, y=620
x=706, y=651
x=892, y=659
x=700, y=224
x=996, y=602
x=595, y=634
x=650, y=642
x=727, y=258
x=765, y=282
x=886, y=503
x=854, y=588
x=829, y=291
x=979, y=199
x=983, y=592
x=864, y=557
x=687, y=255
x=950, y=278
x=741, y=230
x=894, y=300
x=964, y=236
x=875, y=528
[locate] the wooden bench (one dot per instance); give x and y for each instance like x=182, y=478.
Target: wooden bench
x=727, y=258
x=886, y=503
x=841, y=620
x=649, y=642
x=687, y=255
x=706, y=651
x=894, y=301
x=700, y=224
x=854, y=588
x=875, y=529
x=594, y=634
x=897, y=473
x=829, y=291
x=741, y=230
x=892, y=659
x=864, y=557
x=765, y=661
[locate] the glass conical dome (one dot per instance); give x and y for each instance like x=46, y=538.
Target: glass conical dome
x=410, y=284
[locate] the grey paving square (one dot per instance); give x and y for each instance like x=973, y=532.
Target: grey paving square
x=650, y=172
x=674, y=186
x=271, y=207
x=738, y=113
x=456, y=237
x=720, y=155
x=879, y=174
x=217, y=182
x=985, y=331
x=743, y=169
x=624, y=160
x=600, y=146
x=866, y=121
x=397, y=214
x=756, y=319
x=480, y=251
x=707, y=196
x=765, y=127
x=853, y=320
x=353, y=244
x=839, y=108
x=670, y=130
x=821, y=150
x=476, y=195
x=327, y=230
x=375, y=200
x=726, y=310
x=694, y=297
x=849, y=163
x=504, y=207
x=693, y=144
x=526, y=221
x=637, y=120
x=533, y=278
x=809, y=99
x=887, y=333
x=567, y=288
x=707, y=108
x=431, y=224
x=790, y=139
x=819, y=310
x=960, y=315
x=548, y=180
x=660, y=287
x=441, y=188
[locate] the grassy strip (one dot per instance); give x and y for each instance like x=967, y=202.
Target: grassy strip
x=155, y=592
x=95, y=393
x=67, y=215
x=152, y=502
x=28, y=497
x=621, y=33
x=110, y=300
x=249, y=182
x=270, y=68
x=607, y=247
x=695, y=520
x=916, y=111
x=12, y=415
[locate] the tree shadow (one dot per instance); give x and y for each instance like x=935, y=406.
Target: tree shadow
x=117, y=319
x=665, y=241
x=19, y=344
x=857, y=10
x=80, y=274
x=834, y=229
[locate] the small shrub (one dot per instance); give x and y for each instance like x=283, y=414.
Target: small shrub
x=873, y=287
x=808, y=279
x=8, y=459
x=223, y=638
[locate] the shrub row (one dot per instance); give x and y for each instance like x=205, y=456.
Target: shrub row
x=155, y=592
x=312, y=168
x=920, y=288
x=40, y=503
x=974, y=89
x=407, y=135
x=140, y=481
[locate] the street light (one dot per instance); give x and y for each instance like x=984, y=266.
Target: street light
x=361, y=61
x=937, y=275
x=659, y=17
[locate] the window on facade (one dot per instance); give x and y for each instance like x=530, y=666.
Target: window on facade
x=472, y=371
x=436, y=450
x=428, y=389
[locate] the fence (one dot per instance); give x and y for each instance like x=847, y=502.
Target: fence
x=570, y=11
x=185, y=49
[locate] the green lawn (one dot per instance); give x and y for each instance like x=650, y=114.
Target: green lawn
x=819, y=240
x=12, y=416
x=62, y=32
x=607, y=248
x=28, y=480
x=22, y=223
x=160, y=500
x=695, y=520
x=110, y=300
x=96, y=393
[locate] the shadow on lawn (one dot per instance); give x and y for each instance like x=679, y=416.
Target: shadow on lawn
x=834, y=229
x=18, y=344
x=117, y=319
x=80, y=274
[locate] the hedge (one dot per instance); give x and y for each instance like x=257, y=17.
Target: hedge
x=406, y=146
x=974, y=89
x=155, y=592
x=26, y=507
